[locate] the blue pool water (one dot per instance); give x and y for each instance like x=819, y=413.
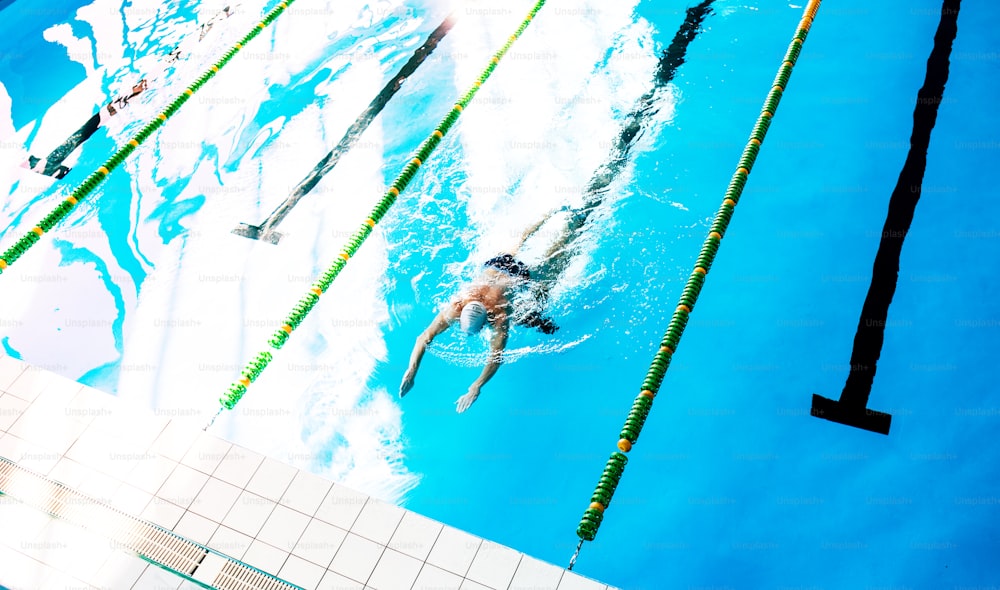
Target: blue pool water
x=145, y=292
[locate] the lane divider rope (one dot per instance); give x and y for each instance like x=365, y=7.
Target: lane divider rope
x=97, y=177
x=611, y=476
x=253, y=369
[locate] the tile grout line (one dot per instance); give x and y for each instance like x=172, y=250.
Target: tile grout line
x=242, y=488
x=143, y=543
x=380, y=556
x=221, y=521
x=49, y=566
x=273, y=509
x=235, y=458
x=465, y=576
x=277, y=503
x=349, y=531
x=520, y=560
x=386, y=546
x=16, y=377
x=311, y=518
x=424, y=563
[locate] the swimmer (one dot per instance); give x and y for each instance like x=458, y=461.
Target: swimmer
x=487, y=301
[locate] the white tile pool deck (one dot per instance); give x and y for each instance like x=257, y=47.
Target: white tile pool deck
x=296, y=526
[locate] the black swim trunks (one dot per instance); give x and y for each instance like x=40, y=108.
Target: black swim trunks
x=515, y=268
x=510, y=265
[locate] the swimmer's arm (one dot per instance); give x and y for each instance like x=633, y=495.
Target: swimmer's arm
x=531, y=230
x=139, y=87
x=497, y=345
x=440, y=324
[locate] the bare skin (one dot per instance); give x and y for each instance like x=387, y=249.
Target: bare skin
x=122, y=101
x=491, y=289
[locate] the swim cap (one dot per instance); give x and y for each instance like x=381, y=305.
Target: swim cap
x=473, y=317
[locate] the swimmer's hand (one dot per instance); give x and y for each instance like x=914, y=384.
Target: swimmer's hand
x=407, y=383
x=462, y=404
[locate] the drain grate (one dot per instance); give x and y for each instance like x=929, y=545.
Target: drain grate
x=233, y=577
x=149, y=541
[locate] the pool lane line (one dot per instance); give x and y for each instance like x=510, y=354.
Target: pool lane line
x=594, y=514
x=253, y=369
x=265, y=231
x=53, y=162
x=852, y=407
x=97, y=177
